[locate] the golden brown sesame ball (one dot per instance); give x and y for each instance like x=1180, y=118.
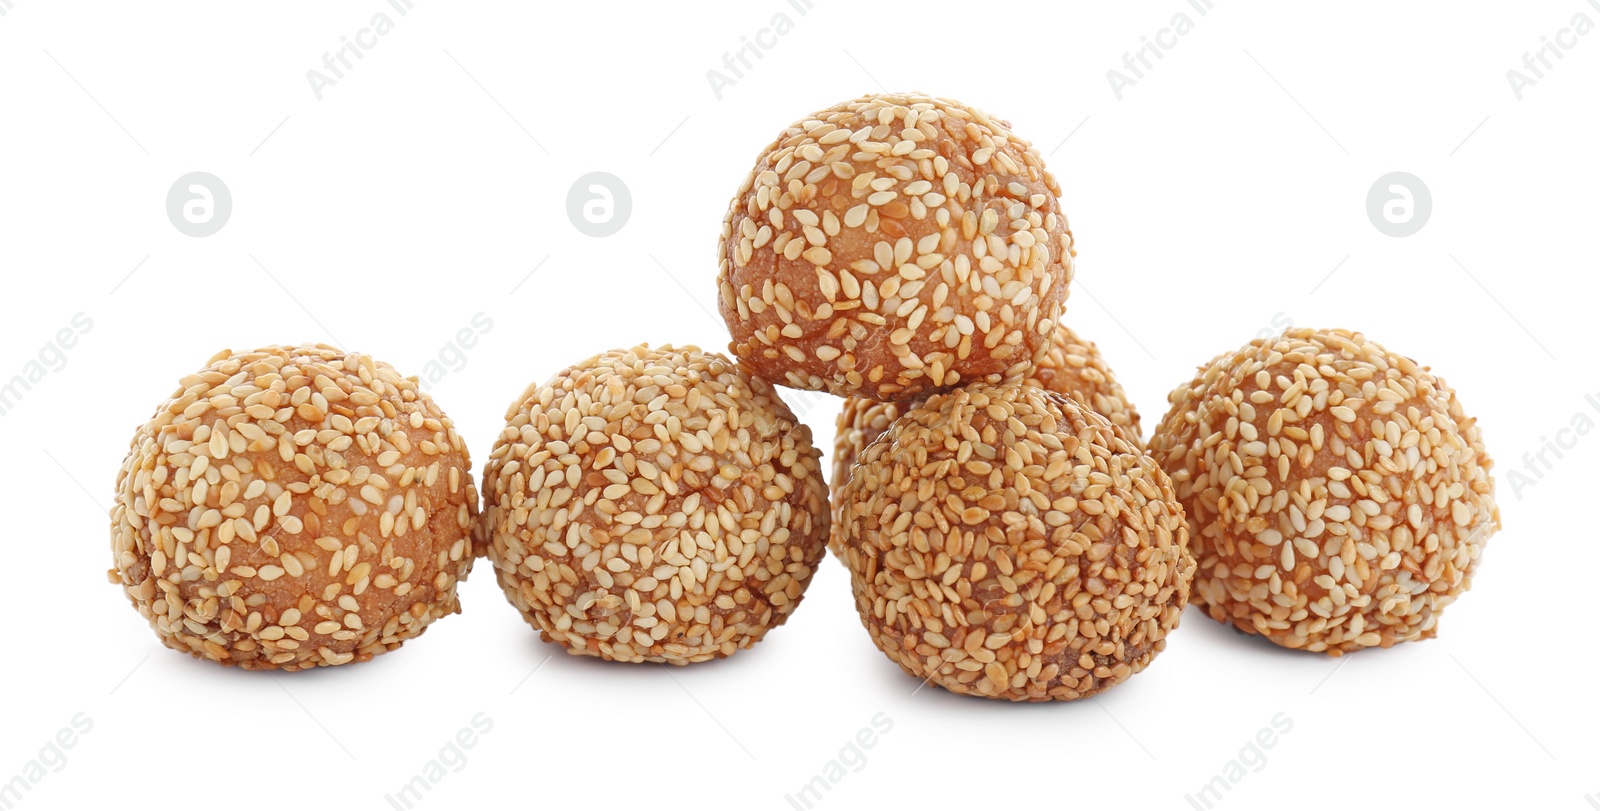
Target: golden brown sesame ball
x=292, y=507
x=1072, y=366
x=1008, y=542
x=894, y=246
x=654, y=505
x=1338, y=495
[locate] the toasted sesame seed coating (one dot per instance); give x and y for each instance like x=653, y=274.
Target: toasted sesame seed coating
x=292, y=507
x=654, y=505
x=1072, y=366
x=1008, y=542
x=1338, y=495
x=894, y=246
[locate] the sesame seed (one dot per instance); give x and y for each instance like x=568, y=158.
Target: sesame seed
x=818, y=256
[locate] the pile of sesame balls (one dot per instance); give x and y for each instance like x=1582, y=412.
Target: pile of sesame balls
x=1008, y=531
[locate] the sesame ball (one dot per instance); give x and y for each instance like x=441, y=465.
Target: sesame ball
x=1008, y=542
x=291, y=507
x=894, y=246
x=654, y=505
x=1072, y=366
x=1338, y=495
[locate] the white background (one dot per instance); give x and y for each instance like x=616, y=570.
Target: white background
x=1210, y=202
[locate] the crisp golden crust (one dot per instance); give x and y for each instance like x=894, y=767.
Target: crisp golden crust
x=1072, y=366
x=657, y=505
x=1008, y=542
x=894, y=246
x=292, y=507
x=1338, y=495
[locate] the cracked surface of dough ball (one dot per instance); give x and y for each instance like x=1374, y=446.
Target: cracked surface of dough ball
x=657, y=505
x=893, y=246
x=292, y=507
x=1073, y=366
x=1338, y=495
x=1008, y=542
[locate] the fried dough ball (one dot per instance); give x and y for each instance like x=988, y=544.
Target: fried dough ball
x=292, y=507
x=894, y=246
x=1008, y=542
x=654, y=505
x=1338, y=495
